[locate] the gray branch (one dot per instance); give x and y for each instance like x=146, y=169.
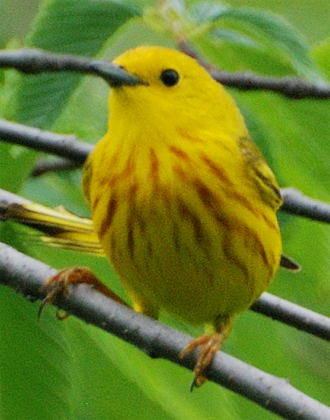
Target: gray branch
x=294, y=315
x=32, y=61
x=292, y=87
x=66, y=146
x=26, y=276
x=298, y=204
x=43, y=166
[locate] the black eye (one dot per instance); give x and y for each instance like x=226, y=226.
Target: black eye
x=169, y=77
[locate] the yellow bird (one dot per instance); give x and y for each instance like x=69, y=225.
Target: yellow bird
x=183, y=203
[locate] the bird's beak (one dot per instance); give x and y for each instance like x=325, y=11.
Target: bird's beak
x=114, y=75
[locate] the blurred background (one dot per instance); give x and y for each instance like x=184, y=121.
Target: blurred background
x=71, y=371
x=309, y=16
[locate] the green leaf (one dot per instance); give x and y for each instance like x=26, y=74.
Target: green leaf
x=207, y=11
x=235, y=37
x=321, y=54
x=270, y=31
x=240, y=55
x=66, y=26
x=35, y=378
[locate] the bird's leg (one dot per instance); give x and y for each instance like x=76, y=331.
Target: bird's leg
x=58, y=285
x=209, y=345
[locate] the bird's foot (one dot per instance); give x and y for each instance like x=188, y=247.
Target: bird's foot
x=209, y=345
x=58, y=285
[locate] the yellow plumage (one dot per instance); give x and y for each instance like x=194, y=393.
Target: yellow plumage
x=182, y=201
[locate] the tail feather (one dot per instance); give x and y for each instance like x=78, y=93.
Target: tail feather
x=288, y=263
x=60, y=228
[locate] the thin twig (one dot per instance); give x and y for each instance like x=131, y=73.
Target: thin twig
x=26, y=275
x=67, y=146
x=38, y=61
x=292, y=87
x=294, y=315
x=298, y=204
x=43, y=166
x=34, y=61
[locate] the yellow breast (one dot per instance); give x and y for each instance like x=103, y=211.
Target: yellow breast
x=185, y=230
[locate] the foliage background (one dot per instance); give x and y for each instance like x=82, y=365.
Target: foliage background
x=72, y=371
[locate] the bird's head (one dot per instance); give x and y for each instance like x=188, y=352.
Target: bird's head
x=170, y=92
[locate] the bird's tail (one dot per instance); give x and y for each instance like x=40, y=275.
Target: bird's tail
x=58, y=226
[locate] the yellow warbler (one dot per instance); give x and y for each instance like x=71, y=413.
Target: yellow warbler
x=182, y=201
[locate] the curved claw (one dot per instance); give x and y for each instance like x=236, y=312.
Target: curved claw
x=55, y=287
x=209, y=345
x=58, y=285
